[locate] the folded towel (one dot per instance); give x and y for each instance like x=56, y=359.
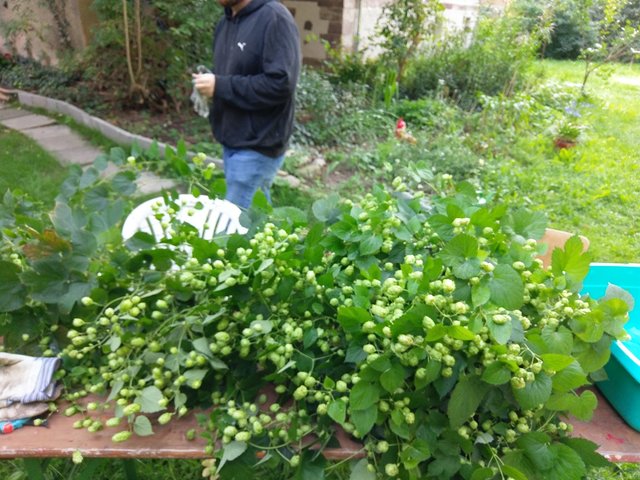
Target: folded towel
x=26, y=384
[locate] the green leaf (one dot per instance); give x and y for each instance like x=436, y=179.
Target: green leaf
x=514, y=473
x=556, y=361
x=584, y=405
x=414, y=454
x=507, y=289
x=518, y=466
x=194, y=375
x=569, y=378
x=12, y=292
x=436, y=332
x=363, y=395
x=231, y=451
x=593, y=356
x=468, y=268
x=501, y=333
x=337, y=410
x=480, y=293
x=534, y=393
x=149, y=400
x=312, y=467
x=399, y=426
x=560, y=341
x=352, y=318
x=571, y=262
x=432, y=372
x=587, y=451
x=461, y=254
x=371, y=245
x=527, y=224
x=266, y=263
x=114, y=342
x=613, y=291
x=567, y=464
x=465, y=399
x=496, y=373
x=364, y=420
x=460, y=332
x=536, y=448
x=431, y=270
x=589, y=327
x=482, y=473
x=327, y=208
x=124, y=183
x=361, y=472
x=142, y=426
x=393, y=378
x=47, y=281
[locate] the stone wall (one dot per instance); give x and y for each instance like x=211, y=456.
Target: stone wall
x=31, y=29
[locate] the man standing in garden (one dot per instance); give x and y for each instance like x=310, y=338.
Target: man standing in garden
x=257, y=60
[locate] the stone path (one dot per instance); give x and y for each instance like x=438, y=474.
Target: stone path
x=68, y=146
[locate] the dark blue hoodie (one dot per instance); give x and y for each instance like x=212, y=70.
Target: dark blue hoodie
x=257, y=64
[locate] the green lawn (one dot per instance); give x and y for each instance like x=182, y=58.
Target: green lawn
x=593, y=188
x=25, y=166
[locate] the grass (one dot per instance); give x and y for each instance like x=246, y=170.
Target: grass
x=26, y=166
x=593, y=188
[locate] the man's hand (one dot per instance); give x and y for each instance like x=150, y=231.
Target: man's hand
x=205, y=83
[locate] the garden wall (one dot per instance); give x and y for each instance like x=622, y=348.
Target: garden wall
x=42, y=30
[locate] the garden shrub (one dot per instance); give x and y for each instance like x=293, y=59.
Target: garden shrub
x=424, y=327
x=496, y=61
x=63, y=82
x=572, y=29
x=346, y=68
x=336, y=114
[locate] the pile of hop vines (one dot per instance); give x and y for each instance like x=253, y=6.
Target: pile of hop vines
x=430, y=333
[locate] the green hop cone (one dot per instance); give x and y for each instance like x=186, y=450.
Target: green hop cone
x=121, y=436
x=76, y=457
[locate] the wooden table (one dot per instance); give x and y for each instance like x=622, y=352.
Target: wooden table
x=618, y=442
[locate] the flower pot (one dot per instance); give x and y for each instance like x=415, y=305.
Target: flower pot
x=561, y=143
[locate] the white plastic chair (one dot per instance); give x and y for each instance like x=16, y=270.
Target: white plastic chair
x=208, y=216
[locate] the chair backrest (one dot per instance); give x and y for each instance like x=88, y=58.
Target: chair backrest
x=556, y=239
x=208, y=216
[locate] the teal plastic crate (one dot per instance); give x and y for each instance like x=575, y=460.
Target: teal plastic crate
x=622, y=389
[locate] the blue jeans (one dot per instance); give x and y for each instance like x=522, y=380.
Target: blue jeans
x=246, y=171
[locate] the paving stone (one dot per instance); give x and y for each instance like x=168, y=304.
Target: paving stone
x=78, y=156
x=9, y=113
x=28, y=121
x=49, y=131
x=62, y=142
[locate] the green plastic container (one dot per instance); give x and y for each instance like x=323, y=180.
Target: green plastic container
x=622, y=388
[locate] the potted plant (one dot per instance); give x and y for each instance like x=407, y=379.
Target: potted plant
x=567, y=135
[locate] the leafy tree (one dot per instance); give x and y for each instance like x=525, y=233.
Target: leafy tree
x=402, y=27
x=141, y=52
x=615, y=39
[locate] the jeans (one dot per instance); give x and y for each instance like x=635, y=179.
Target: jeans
x=246, y=171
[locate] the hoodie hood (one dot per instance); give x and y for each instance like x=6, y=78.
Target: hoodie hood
x=251, y=7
